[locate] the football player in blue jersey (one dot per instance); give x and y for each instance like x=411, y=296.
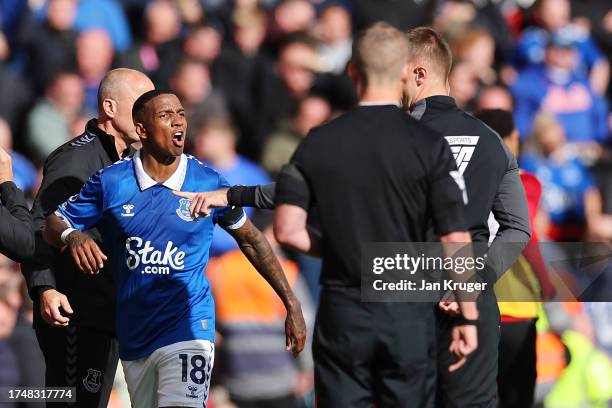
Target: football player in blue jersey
x=158, y=251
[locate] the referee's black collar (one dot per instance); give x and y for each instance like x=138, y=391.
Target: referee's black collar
x=108, y=141
x=436, y=101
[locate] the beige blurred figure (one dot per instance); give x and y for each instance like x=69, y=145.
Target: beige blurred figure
x=293, y=16
x=477, y=49
x=249, y=30
x=50, y=120
x=203, y=44
x=495, y=97
x=10, y=296
x=94, y=55
x=312, y=111
x=296, y=65
x=463, y=84
x=163, y=21
x=334, y=31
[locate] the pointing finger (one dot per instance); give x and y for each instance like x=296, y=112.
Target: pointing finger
x=184, y=194
x=457, y=365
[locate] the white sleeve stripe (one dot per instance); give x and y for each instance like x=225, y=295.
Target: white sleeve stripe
x=64, y=219
x=238, y=223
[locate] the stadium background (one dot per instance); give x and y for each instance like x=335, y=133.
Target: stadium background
x=255, y=76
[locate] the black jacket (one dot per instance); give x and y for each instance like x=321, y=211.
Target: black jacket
x=491, y=177
x=66, y=170
x=16, y=231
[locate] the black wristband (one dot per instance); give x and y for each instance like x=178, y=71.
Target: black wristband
x=241, y=196
x=462, y=321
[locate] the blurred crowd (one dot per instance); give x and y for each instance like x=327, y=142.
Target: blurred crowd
x=254, y=77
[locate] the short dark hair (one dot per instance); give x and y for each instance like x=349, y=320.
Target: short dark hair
x=499, y=120
x=141, y=103
x=427, y=47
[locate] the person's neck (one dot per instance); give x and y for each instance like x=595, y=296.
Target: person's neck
x=159, y=168
x=375, y=95
x=434, y=90
x=120, y=143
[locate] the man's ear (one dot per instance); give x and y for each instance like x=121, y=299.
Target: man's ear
x=140, y=130
x=420, y=74
x=110, y=107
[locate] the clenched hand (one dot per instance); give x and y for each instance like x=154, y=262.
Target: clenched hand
x=87, y=256
x=295, y=329
x=465, y=341
x=50, y=302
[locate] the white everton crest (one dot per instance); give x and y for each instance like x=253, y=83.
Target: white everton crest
x=183, y=210
x=92, y=382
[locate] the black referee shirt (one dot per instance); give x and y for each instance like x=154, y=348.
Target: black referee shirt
x=375, y=175
x=65, y=172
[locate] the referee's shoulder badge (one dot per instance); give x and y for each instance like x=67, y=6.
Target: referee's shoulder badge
x=463, y=148
x=183, y=210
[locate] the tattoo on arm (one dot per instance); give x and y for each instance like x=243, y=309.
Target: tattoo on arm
x=256, y=248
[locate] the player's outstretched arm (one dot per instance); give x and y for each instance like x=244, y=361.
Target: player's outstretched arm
x=260, y=196
x=202, y=204
x=256, y=248
x=87, y=256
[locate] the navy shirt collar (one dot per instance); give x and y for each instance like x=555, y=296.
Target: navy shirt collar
x=436, y=101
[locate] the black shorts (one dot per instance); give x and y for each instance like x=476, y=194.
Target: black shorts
x=81, y=357
x=371, y=353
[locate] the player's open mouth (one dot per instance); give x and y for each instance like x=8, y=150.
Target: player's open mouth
x=178, y=139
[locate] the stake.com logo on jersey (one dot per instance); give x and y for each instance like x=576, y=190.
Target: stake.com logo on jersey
x=156, y=261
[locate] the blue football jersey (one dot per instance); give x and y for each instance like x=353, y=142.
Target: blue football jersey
x=158, y=254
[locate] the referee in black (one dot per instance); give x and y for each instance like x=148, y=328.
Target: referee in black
x=493, y=186
x=16, y=232
x=74, y=313
x=374, y=175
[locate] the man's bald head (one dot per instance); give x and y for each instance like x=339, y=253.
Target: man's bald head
x=116, y=95
x=119, y=80
x=380, y=54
